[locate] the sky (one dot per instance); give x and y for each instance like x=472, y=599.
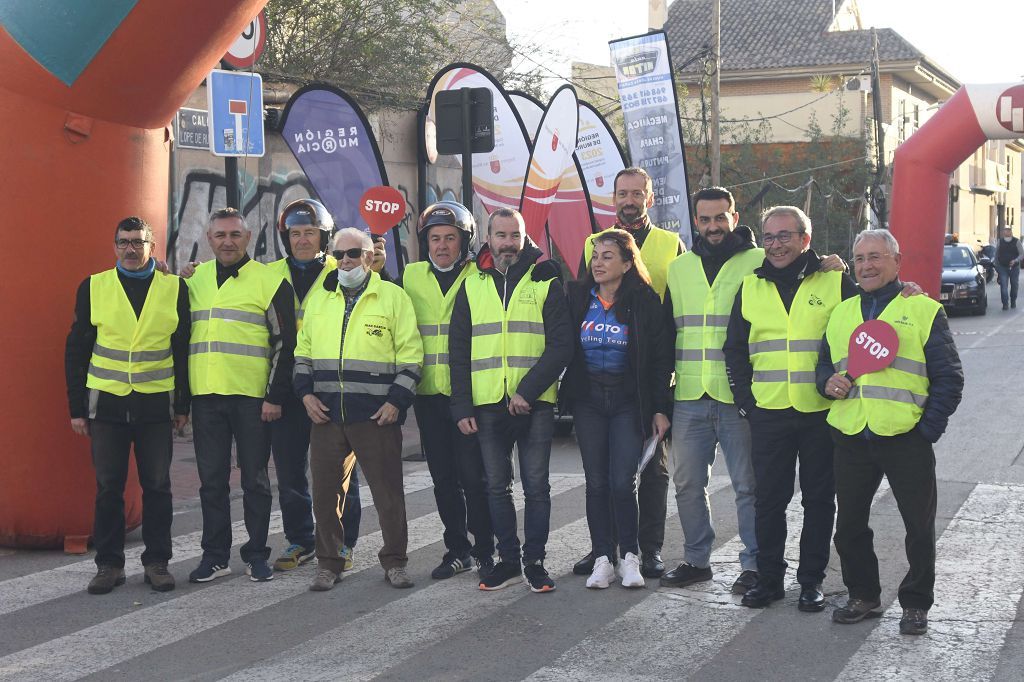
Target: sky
x=982, y=43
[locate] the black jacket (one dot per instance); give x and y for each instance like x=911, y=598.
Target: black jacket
x=945, y=372
x=650, y=356
x=558, y=342
x=737, y=337
x=134, y=407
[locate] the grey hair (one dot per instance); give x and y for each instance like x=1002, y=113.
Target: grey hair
x=884, y=235
x=222, y=213
x=505, y=213
x=801, y=217
x=364, y=239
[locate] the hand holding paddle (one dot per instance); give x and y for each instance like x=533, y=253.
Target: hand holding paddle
x=873, y=347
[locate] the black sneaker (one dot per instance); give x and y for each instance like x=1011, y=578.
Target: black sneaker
x=684, y=574
x=484, y=565
x=208, y=570
x=538, y=578
x=451, y=566
x=501, y=576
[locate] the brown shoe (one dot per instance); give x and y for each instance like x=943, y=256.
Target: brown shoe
x=158, y=576
x=857, y=610
x=106, y=579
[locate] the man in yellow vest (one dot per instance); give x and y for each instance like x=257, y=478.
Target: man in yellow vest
x=510, y=338
x=305, y=228
x=126, y=366
x=240, y=361
x=445, y=231
x=634, y=194
x=357, y=363
x=771, y=349
x=885, y=424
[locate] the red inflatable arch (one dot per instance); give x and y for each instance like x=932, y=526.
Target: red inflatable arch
x=923, y=163
x=87, y=91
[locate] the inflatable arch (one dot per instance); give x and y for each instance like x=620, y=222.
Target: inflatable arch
x=922, y=165
x=87, y=91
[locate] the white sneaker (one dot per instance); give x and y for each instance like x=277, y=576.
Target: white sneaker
x=629, y=571
x=603, y=574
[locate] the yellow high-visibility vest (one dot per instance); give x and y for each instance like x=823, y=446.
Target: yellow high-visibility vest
x=784, y=346
x=433, y=315
x=701, y=314
x=132, y=353
x=891, y=401
x=660, y=248
x=281, y=267
x=229, y=351
x=506, y=342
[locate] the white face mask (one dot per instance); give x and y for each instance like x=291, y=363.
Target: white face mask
x=439, y=268
x=350, y=279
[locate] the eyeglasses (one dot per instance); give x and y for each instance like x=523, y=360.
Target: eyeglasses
x=351, y=253
x=134, y=243
x=871, y=258
x=780, y=237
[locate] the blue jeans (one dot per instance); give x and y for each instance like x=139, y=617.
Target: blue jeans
x=289, y=439
x=697, y=426
x=498, y=432
x=1011, y=276
x=611, y=442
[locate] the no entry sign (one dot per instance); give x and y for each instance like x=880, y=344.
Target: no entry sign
x=873, y=347
x=382, y=208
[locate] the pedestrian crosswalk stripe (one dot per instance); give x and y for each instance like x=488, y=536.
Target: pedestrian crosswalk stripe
x=119, y=639
x=979, y=576
x=36, y=588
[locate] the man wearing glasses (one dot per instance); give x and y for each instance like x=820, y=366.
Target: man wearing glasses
x=357, y=362
x=126, y=366
x=240, y=362
x=771, y=350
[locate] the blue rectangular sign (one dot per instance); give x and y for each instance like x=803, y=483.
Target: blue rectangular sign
x=236, y=113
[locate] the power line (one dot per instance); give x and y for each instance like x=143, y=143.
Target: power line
x=805, y=170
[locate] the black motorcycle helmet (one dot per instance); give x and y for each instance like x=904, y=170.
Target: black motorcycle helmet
x=305, y=212
x=450, y=213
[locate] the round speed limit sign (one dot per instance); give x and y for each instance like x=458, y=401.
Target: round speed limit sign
x=248, y=47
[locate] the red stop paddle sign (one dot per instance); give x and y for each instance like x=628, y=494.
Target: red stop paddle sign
x=873, y=347
x=382, y=208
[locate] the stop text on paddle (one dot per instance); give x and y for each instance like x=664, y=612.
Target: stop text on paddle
x=382, y=208
x=873, y=347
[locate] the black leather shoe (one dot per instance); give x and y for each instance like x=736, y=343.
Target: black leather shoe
x=811, y=599
x=684, y=574
x=651, y=566
x=857, y=610
x=763, y=594
x=746, y=580
x=914, y=622
x=584, y=566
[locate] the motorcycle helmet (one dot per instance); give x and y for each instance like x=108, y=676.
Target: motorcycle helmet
x=305, y=212
x=450, y=213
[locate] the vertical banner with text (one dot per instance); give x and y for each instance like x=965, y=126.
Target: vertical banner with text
x=332, y=141
x=643, y=71
x=601, y=159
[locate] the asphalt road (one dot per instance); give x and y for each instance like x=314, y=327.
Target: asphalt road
x=234, y=628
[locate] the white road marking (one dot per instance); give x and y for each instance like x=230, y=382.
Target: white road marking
x=979, y=577
x=36, y=588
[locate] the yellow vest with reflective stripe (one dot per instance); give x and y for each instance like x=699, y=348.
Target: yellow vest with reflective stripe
x=433, y=315
x=229, y=351
x=889, y=402
x=506, y=342
x=660, y=248
x=281, y=267
x=701, y=314
x=132, y=353
x=784, y=346
x=380, y=341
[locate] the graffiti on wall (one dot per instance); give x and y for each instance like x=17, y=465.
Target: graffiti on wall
x=203, y=189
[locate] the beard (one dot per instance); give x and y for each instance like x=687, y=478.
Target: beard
x=629, y=215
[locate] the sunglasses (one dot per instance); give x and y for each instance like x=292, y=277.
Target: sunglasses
x=354, y=254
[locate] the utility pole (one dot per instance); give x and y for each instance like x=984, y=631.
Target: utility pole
x=716, y=140
x=878, y=201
